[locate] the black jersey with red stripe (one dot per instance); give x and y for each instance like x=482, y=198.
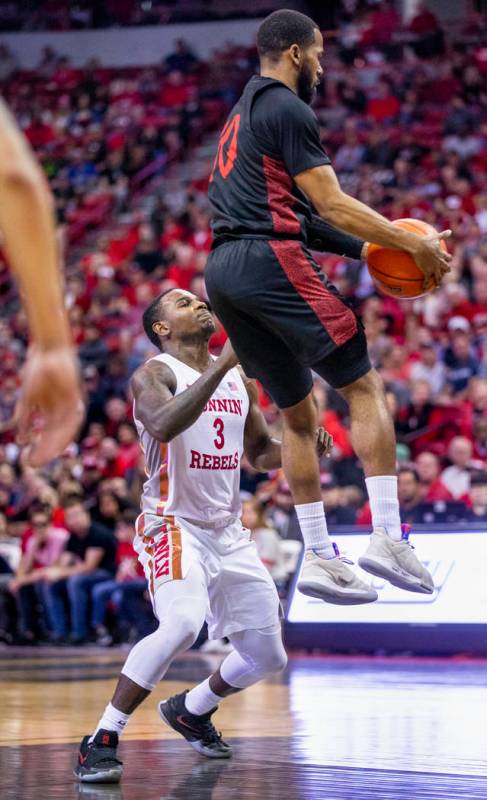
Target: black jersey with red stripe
x=269, y=137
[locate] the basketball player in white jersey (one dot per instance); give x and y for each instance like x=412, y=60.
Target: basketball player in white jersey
x=195, y=416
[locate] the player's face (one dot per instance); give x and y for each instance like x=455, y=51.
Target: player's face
x=187, y=315
x=311, y=72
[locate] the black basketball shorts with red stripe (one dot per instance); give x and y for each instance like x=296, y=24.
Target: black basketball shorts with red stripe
x=284, y=318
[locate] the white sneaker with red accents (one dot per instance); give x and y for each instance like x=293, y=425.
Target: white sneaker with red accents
x=396, y=562
x=331, y=580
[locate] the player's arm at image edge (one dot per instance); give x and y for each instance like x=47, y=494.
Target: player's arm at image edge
x=27, y=226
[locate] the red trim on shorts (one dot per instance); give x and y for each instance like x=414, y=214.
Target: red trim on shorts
x=279, y=197
x=338, y=320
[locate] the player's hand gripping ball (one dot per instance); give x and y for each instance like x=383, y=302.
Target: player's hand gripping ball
x=395, y=272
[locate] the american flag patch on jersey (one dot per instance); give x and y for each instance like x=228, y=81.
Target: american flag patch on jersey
x=232, y=386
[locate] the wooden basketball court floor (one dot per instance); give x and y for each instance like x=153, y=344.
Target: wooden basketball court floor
x=327, y=729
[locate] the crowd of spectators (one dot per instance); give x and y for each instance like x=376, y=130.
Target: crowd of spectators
x=406, y=129
x=74, y=15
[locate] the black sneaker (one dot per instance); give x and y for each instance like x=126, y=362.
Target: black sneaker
x=98, y=762
x=197, y=729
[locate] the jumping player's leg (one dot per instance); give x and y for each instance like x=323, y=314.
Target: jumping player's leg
x=374, y=441
x=389, y=554
x=180, y=607
x=302, y=471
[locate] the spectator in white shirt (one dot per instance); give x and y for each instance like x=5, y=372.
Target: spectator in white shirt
x=429, y=367
x=456, y=477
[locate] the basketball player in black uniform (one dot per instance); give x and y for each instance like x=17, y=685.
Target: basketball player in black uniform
x=282, y=315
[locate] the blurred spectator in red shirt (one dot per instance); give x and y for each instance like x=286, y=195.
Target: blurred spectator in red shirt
x=382, y=25
x=175, y=91
x=38, y=132
x=428, y=468
x=42, y=545
x=129, y=448
x=424, y=21
x=429, y=35
x=383, y=105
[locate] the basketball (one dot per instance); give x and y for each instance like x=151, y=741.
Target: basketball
x=395, y=272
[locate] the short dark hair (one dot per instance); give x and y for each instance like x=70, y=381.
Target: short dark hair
x=153, y=314
x=281, y=29
x=129, y=516
x=74, y=500
x=38, y=507
x=478, y=478
x=411, y=470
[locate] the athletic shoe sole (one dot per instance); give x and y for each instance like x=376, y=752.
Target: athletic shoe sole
x=312, y=589
x=395, y=575
x=112, y=775
x=196, y=745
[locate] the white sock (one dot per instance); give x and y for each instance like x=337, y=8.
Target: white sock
x=112, y=720
x=201, y=699
x=384, y=505
x=311, y=517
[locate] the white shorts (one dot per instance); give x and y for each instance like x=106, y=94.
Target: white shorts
x=241, y=594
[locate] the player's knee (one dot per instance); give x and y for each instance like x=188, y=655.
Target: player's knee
x=188, y=628
x=369, y=384
x=274, y=659
x=301, y=419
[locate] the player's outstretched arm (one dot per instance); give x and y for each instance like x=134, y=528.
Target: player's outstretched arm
x=322, y=187
x=262, y=451
x=50, y=409
x=165, y=415
x=29, y=236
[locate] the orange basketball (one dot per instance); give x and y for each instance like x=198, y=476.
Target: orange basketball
x=394, y=271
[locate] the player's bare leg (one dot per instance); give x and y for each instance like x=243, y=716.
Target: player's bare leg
x=325, y=574
x=389, y=554
x=128, y=695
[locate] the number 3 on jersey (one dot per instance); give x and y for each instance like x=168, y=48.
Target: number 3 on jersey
x=220, y=439
x=225, y=159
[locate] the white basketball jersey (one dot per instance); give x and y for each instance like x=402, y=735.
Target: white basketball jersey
x=196, y=476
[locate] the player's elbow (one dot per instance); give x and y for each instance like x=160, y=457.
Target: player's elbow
x=161, y=432
x=24, y=180
x=161, y=435
x=19, y=175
